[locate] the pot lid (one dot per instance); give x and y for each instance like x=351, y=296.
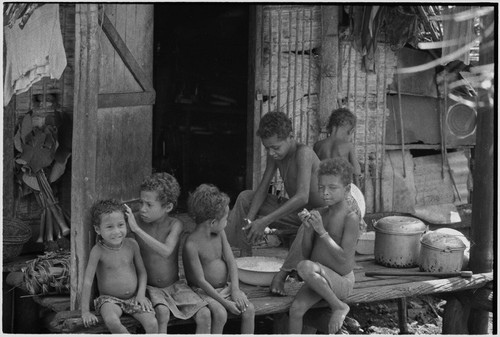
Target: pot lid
x=443, y=241
x=401, y=224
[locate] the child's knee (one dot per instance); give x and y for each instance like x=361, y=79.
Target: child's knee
x=305, y=268
x=219, y=313
x=162, y=313
x=150, y=324
x=250, y=311
x=112, y=322
x=202, y=317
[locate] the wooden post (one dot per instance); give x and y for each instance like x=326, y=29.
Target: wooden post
x=402, y=316
x=9, y=126
x=481, y=257
x=329, y=62
x=454, y=313
x=84, y=143
x=254, y=96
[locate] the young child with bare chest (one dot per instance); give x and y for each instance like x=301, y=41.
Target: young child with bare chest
x=328, y=244
x=121, y=276
x=209, y=263
x=158, y=235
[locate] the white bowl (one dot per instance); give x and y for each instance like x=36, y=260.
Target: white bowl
x=258, y=270
x=366, y=243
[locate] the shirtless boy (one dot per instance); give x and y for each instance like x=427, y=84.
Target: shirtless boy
x=329, y=242
x=158, y=235
x=256, y=210
x=341, y=126
x=209, y=262
x=121, y=276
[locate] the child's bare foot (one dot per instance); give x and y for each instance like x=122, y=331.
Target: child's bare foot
x=337, y=318
x=278, y=283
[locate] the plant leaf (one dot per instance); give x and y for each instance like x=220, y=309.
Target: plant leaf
x=26, y=126
x=31, y=181
x=17, y=141
x=60, y=160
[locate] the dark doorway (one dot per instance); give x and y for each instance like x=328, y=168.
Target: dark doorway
x=200, y=78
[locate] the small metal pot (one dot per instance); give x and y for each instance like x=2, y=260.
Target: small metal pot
x=441, y=252
x=397, y=241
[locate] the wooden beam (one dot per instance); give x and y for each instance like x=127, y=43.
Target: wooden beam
x=125, y=54
x=126, y=99
x=83, y=175
x=481, y=254
x=9, y=126
x=329, y=62
x=255, y=90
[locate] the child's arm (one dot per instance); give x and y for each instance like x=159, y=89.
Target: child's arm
x=163, y=248
x=87, y=317
x=300, y=199
x=355, y=164
x=192, y=262
x=238, y=296
x=142, y=277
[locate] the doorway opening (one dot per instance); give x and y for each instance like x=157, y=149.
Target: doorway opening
x=200, y=77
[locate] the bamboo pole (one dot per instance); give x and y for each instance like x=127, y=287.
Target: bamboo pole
x=278, y=90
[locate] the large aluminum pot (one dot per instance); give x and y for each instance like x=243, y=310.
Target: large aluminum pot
x=397, y=241
x=441, y=252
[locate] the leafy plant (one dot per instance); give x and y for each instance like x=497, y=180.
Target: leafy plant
x=40, y=161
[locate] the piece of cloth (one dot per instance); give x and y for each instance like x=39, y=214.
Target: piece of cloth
x=179, y=298
x=33, y=52
x=342, y=286
x=128, y=306
x=224, y=292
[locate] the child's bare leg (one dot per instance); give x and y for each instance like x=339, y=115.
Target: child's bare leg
x=311, y=273
x=111, y=314
x=219, y=316
x=248, y=320
x=278, y=283
x=202, y=319
x=163, y=316
x=148, y=321
x=304, y=300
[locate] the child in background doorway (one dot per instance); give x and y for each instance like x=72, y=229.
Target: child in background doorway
x=328, y=244
x=121, y=276
x=209, y=263
x=341, y=126
x=158, y=235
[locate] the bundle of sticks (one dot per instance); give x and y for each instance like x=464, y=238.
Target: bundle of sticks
x=54, y=222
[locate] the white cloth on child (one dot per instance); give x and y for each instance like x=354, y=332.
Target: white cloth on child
x=33, y=52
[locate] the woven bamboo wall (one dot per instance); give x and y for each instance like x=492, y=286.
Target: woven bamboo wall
x=291, y=35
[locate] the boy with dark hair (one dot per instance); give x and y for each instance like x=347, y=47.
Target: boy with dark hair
x=328, y=244
x=341, y=126
x=158, y=235
x=121, y=276
x=256, y=210
x=209, y=262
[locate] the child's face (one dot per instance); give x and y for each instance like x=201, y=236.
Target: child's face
x=112, y=228
x=277, y=148
x=331, y=189
x=219, y=225
x=151, y=208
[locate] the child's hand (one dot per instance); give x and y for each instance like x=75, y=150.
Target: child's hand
x=316, y=222
x=89, y=319
x=143, y=302
x=240, y=299
x=232, y=308
x=131, y=219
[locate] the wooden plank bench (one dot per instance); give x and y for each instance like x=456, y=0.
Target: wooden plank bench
x=366, y=289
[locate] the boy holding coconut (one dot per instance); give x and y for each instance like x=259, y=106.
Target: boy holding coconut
x=328, y=245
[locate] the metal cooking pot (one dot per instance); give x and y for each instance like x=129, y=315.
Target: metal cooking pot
x=441, y=252
x=397, y=241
